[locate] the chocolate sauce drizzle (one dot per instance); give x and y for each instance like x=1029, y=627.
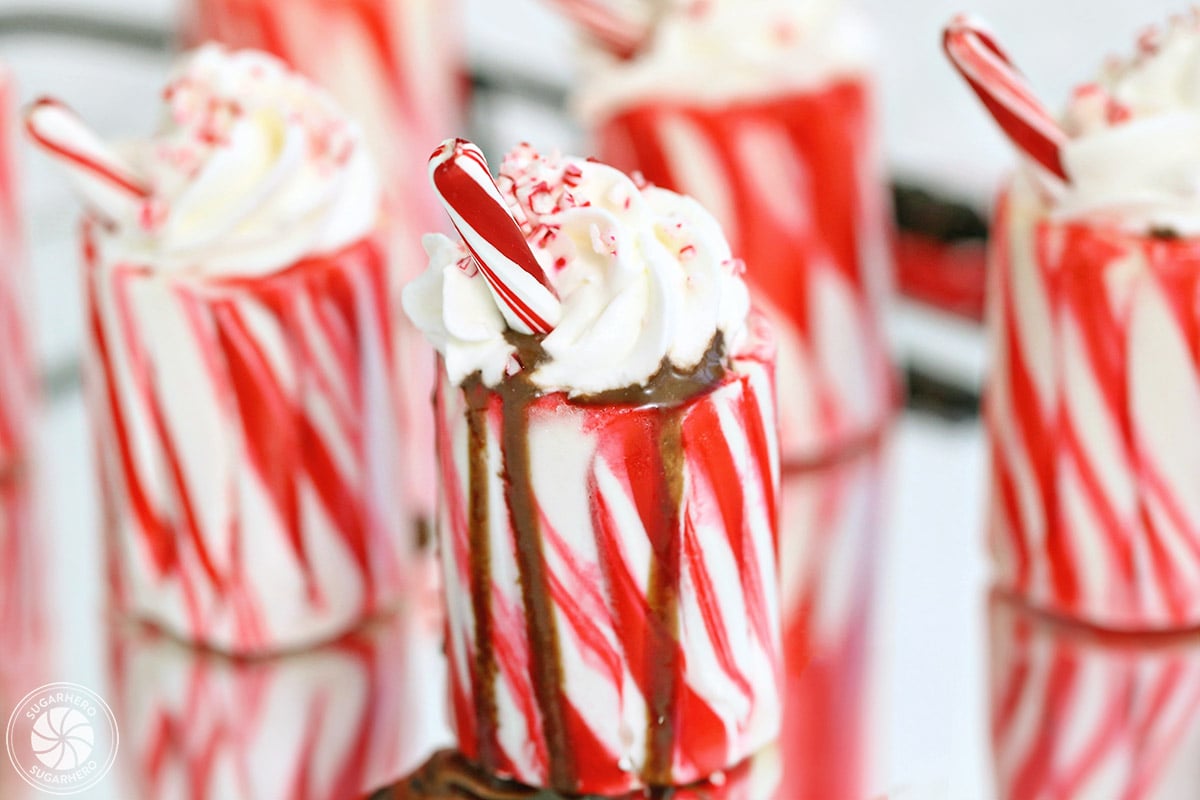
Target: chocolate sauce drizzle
x=484, y=678
x=663, y=597
x=450, y=776
x=665, y=391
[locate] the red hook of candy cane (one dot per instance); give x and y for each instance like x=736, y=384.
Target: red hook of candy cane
x=618, y=31
x=464, y=184
x=1005, y=93
x=60, y=131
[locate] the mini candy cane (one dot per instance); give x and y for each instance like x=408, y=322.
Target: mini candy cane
x=465, y=186
x=621, y=28
x=100, y=172
x=1005, y=92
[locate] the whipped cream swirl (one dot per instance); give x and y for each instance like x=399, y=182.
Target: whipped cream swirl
x=645, y=277
x=252, y=169
x=1134, y=154
x=716, y=51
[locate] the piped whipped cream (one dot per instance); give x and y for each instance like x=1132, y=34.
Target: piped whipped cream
x=645, y=277
x=252, y=169
x=1133, y=157
x=716, y=51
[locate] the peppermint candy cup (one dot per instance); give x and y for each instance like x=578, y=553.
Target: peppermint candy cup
x=771, y=127
x=609, y=467
x=1094, y=385
x=396, y=67
x=1085, y=714
x=240, y=363
x=245, y=433
x=1092, y=403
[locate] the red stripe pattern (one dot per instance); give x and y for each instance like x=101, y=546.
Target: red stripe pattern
x=464, y=184
x=332, y=723
x=1087, y=716
x=248, y=434
x=396, y=68
x=795, y=183
x=975, y=53
x=659, y=609
x=18, y=390
x=1092, y=418
x=830, y=543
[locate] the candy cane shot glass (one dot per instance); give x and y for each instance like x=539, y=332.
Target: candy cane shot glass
x=247, y=434
x=794, y=180
x=610, y=577
x=1092, y=417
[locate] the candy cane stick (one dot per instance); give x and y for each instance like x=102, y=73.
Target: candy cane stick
x=1005, y=93
x=58, y=130
x=464, y=184
x=622, y=30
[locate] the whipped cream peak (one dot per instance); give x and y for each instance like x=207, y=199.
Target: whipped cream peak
x=1133, y=156
x=645, y=277
x=253, y=168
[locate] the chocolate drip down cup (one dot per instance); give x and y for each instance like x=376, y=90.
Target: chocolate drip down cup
x=608, y=488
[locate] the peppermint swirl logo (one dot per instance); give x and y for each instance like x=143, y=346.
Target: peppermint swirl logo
x=62, y=738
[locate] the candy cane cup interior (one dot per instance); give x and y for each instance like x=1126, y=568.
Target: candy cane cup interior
x=1091, y=415
x=247, y=432
x=611, y=582
x=795, y=182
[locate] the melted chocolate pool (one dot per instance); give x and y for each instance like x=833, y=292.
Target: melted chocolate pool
x=449, y=776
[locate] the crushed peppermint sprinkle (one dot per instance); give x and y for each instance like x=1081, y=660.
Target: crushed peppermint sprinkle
x=539, y=189
x=207, y=109
x=1152, y=40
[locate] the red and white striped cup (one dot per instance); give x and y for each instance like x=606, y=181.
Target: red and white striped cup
x=329, y=724
x=1085, y=715
x=248, y=431
x=830, y=557
x=396, y=67
x=796, y=184
x=610, y=578
x=17, y=371
x=1092, y=418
